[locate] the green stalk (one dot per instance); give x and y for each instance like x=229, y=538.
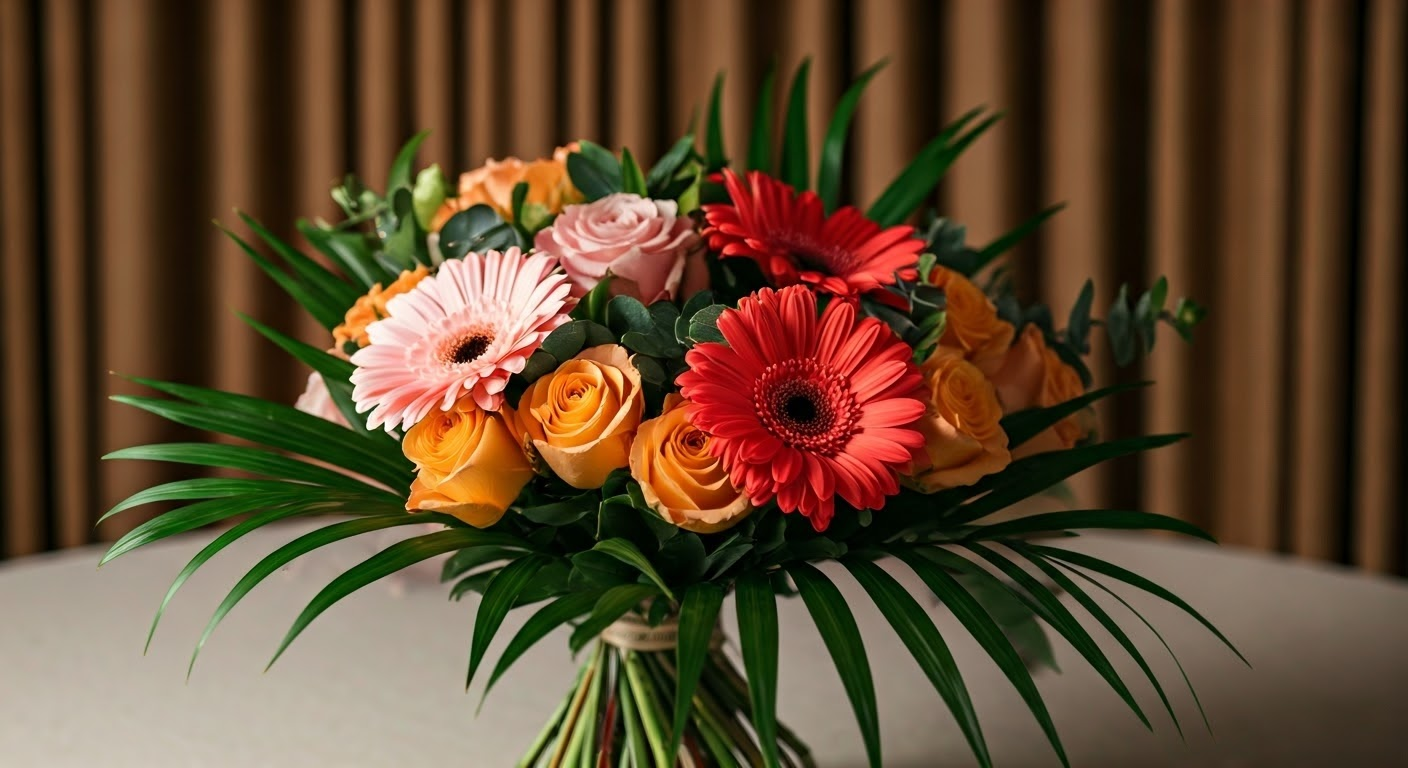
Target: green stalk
x=739, y=688
x=720, y=716
x=588, y=672
x=635, y=736
x=652, y=716
x=539, y=744
x=579, y=752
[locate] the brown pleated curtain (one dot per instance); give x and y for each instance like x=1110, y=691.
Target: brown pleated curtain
x=1252, y=151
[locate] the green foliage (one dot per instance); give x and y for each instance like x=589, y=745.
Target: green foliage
x=833, y=148
x=921, y=177
x=595, y=171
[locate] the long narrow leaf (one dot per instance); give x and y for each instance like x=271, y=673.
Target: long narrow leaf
x=714, y=155
x=202, y=488
x=499, y=598
x=1067, y=624
x=628, y=553
x=989, y=635
x=548, y=618
x=309, y=272
x=1135, y=580
x=1071, y=588
x=796, y=150
x=1023, y=425
x=699, y=613
x=922, y=175
x=350, y=251
x=402, y=554
x=325, y=309
x=297, y=548
x=1019, y=233
x=612, y=605
x=1107, y=519
x=222, y=541
x=400, y=174
x=758, y=642
x=838, y=629
x=245, y=458
x=833, y=148
x=760, y=140
x=924, y=642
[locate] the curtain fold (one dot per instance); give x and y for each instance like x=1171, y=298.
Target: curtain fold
x=1250, y=151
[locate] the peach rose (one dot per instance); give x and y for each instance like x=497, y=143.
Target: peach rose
x=580, y=419
x=468, y=464
x=549, y=187
x=679, y=479
x=963, y=438
x=972, y=325
x=642, y=242
x=372, y=307
x=1033, y=375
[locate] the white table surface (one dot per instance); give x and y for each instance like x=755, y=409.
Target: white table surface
x=376, y=681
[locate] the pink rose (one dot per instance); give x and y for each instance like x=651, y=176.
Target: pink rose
x=315, y=400
x=643, y=243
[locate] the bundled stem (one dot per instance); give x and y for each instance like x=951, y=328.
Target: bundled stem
x=618, y=715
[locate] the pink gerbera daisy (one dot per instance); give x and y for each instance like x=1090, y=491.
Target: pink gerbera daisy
x=806, y=409
x=794, y=241
x=462, y=331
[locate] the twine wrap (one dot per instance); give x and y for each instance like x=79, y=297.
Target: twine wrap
x=631, y=632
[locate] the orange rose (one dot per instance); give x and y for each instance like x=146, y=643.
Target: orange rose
x=549, y=187
x=1033, y=375
x=372, y=307
x=581, y=418
x=971, y=324
x=963, y=437
x=468, y=464
x=679, y=479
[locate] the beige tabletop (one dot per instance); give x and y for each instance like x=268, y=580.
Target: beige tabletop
x=376, y=681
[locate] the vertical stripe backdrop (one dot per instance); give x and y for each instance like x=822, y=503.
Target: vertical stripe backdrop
x=1251, y=151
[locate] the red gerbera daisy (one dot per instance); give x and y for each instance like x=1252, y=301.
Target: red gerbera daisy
x=794, y=241
x=806, y=409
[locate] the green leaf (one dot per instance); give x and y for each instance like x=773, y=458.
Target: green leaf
x=1117, y=325
x=1135, y=580
x=299, y=547
x=402, y=554
x=838, y=629
x=760, y=141
x=715, y=157
x=919, y=179
x=633, y=181
x=612, y=605
x=213, y=548
x=663, y=172
x=350, y=251
x=758, y=643
x=1107, y=519
x=563, y=512
x=1009, y=240
x=630, y=554
x=594, y=171
x=312, y=274
x=565, y=341
x=203, y=488
x=325, y=309
x=1024, y=425
x=466, y=560
x=833, y=149
x=477, y=229
x=1066, y=623
x=1064, y=582
x=400, y=174
x=704, y=325
x=245, y=458
x=1078, y=324
x=988, y=634
x=924, y=642
x=796, y=151
x=548, y=618
x=499, y=597
x=699, y=614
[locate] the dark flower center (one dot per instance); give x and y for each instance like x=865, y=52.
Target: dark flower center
x=806, y=405
x=469, y=348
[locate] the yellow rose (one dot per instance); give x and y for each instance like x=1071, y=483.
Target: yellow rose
x=1033, y=375
x=963, y=438
x=372, y=307
x=581, y=418
x=679, y=479
x=468, y=464
x=549, y=187
x=971, y=323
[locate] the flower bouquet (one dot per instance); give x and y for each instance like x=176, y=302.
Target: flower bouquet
x=619, y=395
